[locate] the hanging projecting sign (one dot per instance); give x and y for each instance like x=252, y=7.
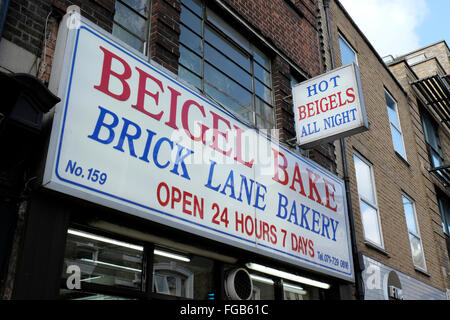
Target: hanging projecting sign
x=131, y=137
x=329, y=107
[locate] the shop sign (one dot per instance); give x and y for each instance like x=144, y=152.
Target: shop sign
x=130, y=136
x=329, y=107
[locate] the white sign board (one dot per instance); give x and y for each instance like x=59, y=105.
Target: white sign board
x=329, y=107
x=128, y=136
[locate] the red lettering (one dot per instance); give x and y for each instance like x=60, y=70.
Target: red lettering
x=322, y=104
x=107, y=73
x=158, y=194
x=216, y=133
x=273, y=232
x=173, y=108
x=330, y=195
x=350, y=93
x=313, y=178
x=310, y=109
x=340, y=99
x=277, y=166
x=302, y=112
x=142, y=92
x=297, y=178
x=176, y=196
x=311, y=248
x=238, y=156
x=185, y=120
x=187, y=202
x=333, y=104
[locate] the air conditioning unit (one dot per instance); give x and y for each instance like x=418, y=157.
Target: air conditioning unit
x=238, y=284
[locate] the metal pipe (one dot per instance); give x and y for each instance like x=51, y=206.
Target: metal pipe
x=356, y=258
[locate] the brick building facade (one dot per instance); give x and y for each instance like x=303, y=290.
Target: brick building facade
x=262, y=48
x=387, y=168
x=265, y=34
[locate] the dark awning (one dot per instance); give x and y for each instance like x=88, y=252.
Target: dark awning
x=436, y=95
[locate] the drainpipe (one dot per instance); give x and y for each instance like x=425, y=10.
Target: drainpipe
x=357, y=258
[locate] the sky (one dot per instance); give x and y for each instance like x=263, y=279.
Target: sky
x=397, y=27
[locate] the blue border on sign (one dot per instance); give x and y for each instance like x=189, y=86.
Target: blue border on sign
x=162, y=212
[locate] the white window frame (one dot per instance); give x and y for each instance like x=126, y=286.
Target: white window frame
x=404, y=195
x=369, y=203
x=399, y=128
x=340, y=36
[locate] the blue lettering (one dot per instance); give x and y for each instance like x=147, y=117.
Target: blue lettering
x=124, y=134
x=180, y=159
x=101, y=124
x=156, y=151
x=260, y=195
x=211, y=172
x=282, y=204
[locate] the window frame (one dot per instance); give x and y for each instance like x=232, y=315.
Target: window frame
x=3, y=12
x=399, y=128
x=341, y=37
x=145, y=39
x=368, y=202
x=443, y=212
x=418, y=236
x=255, y=97
x=434, y=126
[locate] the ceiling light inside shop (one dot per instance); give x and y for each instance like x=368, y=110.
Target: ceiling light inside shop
x=171, y=255
x=287, y=276
x=103, y=239
x=261, y=279
x=294, y=289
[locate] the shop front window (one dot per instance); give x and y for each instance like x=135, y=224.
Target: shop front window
x=97, y=267
x=95, y=260
x=263, y=288
x=181, y=275
x=293, y=291
x=222, y=63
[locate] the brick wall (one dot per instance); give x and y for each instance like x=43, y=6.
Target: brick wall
x=393, y=175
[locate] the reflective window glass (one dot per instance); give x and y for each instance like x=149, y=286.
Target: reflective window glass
x=263, y=288
x=348, y=55
x=364, y=180
x=367, y=201
x=182, y=275
x=234, y=72
x=371, y=225
x=414, y=235
x=397, y=136
x=102, y=260
x=131, y=22
x=298, y=291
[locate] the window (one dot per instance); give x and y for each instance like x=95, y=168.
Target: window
x=396, y=131
x=102, y=262
x=182, y=275
x=219, y=61
x=368, y=201
x=3, y=10
x=293, y=291
x=348, y=55
x=430, y=131
x=263, y=288
x=131, y=23
x=414, y=233
x=444, y=208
